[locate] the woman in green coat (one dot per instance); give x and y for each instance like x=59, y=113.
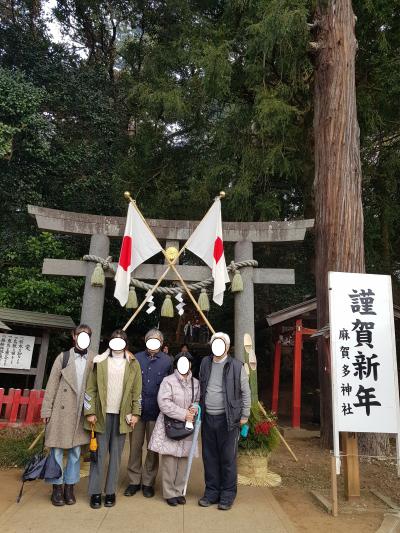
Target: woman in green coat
x=112, y=405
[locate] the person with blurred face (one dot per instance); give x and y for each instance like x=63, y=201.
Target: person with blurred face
x=177, y=397
x=62, y=412
x=112, y=408
x=225, y=401
x=155, y=366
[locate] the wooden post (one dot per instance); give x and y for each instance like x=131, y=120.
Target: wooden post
x=334, y=487
x=351, y=466
x=9, y=402
x=277, y=370
x=41, y=365
x=296, y=399
x=24, y=406
x=15, y=406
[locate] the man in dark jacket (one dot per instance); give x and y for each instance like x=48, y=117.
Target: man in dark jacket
x=225, y=401
x=155, y=365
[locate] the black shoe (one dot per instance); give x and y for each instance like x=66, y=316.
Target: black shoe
x=131, y=490
x=69, y=496
x=95, y=501
x=109, y=500
x=224, y=506
x=173, y=502
x=57, y=497
x=148, y=492
x=181, y=500
x=205, y=502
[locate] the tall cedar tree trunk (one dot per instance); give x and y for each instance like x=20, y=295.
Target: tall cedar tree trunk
x=339, y=224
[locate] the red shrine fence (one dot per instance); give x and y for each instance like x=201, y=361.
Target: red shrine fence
x=20, y=407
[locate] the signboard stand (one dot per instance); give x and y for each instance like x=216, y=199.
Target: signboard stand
x=398, y=455
x=334, y=487
x=39, y=370
x=365, y=390
x=351, y=466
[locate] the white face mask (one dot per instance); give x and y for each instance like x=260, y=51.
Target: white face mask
x=83, y=340
x=183, y=365
x=117, y=344
x=153, y=344
x=218, y=347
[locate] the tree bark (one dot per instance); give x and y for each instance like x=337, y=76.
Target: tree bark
x=339, y=221
x=339, y=227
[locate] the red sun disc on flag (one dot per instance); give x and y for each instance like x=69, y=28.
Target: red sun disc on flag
x=126, y=252
x=218, y=249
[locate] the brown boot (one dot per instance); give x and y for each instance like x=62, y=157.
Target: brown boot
x=57, y=498
x=69, y=496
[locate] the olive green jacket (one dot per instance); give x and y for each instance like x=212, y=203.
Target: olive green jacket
x=95, y=401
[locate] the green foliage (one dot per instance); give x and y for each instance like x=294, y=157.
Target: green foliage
x=19, y=104
x=176, y=101
x=14, y=444
x=263, y=436
x=7, y=133
x=22, y=286
x=378, y=82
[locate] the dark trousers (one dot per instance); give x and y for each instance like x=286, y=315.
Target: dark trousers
x=219, y=458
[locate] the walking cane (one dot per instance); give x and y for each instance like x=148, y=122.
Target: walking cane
x=192, y=449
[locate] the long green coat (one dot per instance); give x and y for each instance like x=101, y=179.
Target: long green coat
x=96, y=393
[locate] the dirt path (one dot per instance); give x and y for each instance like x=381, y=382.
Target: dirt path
x=312, y=472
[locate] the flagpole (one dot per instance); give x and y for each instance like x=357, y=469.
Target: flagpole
x=219, y=197
x=171, y=264
x=151, y=291
x=128, y=196
x=191, y=297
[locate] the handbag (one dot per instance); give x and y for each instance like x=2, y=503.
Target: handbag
x=176, y=429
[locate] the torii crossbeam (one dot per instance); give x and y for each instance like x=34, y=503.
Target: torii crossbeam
x=102, y=228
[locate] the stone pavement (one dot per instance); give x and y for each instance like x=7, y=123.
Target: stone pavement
x=255, y=511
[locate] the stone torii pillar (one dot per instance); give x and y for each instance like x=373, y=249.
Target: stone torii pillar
x=244, y=301
x=93, y=297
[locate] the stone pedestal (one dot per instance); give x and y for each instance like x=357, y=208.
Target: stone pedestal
x=93, y=297
x=244, y=301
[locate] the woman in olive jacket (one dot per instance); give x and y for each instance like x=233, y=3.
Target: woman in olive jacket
x=112, y=405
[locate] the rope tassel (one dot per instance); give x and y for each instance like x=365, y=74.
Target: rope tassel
x=132, y=302
x=98, y=278
x=167, y=308
x=237, y=282
x=204, y=302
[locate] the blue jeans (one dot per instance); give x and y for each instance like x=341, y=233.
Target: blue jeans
x=71, y=474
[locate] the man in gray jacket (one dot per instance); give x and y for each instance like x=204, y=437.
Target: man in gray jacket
x=225, y=400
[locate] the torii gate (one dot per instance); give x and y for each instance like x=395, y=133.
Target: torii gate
x=102, y=228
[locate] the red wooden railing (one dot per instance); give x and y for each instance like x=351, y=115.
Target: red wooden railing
x=20, y=407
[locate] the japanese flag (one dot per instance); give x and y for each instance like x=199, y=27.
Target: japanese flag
x=207, y=242
x=138, y=245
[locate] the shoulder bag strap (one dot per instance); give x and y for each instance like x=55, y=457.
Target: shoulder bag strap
x=65, y=360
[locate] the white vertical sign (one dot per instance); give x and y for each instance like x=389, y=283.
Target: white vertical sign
x=16, y=351
x=365, y=391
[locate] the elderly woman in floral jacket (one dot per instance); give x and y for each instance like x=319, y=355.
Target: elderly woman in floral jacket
x=178, y=392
